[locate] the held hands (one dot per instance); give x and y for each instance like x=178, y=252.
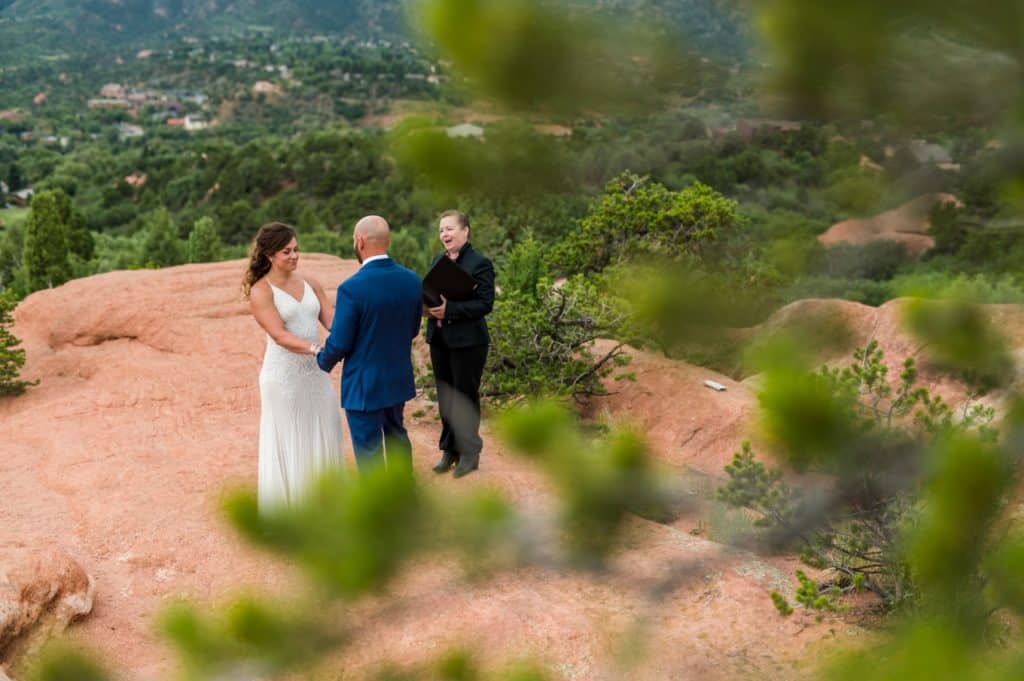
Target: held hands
x=438, y=312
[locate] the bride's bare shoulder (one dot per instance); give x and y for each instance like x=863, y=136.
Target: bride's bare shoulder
x=260, y=290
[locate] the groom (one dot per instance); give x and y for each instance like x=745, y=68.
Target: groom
x=377, y=314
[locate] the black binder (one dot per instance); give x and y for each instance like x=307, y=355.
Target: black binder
x=447, y=279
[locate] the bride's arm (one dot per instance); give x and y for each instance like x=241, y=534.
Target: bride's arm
x=326, y=307
x=261, y=302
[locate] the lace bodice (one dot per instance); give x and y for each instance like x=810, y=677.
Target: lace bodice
x=300, y=317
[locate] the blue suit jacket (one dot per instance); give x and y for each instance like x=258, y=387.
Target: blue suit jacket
x=377, y=314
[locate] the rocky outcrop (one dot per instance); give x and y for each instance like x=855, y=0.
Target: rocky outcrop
x=909, y=225
x=39, y=598
x=148, y=408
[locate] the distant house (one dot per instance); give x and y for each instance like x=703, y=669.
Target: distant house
x=136, y=179
x=22, y=196
x=144, y=54
x=176, y=122
x=109, y=104
x=194, y=122
x=928, y=153
x=112, y=91
x=39, y=99
x=265, y=87
x=747, y=128
x=868, y=164
x=553, y=130
x=49, y=140
x=466, y=130
x=129, y=131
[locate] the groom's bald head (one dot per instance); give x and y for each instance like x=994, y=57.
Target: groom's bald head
x=373, y=228
x=371, y=237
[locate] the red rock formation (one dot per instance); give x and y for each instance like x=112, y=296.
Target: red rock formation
x=148, y=408
x=40, y=596
x=907, y=224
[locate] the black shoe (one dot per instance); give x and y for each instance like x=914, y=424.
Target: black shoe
x=467, y=465
x=448, y=459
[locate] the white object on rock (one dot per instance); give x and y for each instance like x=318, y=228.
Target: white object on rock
x=714, y=385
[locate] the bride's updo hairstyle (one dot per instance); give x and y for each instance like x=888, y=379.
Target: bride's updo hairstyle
x=271, y=238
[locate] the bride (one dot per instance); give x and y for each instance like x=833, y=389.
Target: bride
x=300, y=423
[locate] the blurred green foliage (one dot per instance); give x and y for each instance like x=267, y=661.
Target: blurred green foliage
x=876, y=439
x=520, y=52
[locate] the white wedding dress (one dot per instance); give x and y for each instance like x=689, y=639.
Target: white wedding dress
x=300, y=419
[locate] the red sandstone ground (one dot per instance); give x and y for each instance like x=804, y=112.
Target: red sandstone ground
x=148, y=407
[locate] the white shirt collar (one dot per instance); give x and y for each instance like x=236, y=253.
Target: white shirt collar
x=374, y=257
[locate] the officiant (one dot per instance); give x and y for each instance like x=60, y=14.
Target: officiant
x=458, y=339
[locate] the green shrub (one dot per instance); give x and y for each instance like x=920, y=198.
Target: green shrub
x=12, y=357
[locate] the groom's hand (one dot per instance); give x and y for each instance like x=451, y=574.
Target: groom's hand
x=438, y=312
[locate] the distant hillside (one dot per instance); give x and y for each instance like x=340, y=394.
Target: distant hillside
x=88, y=25
x=43, y=27
x=716, y=27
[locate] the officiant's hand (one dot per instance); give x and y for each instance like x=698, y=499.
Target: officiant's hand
x=438, y=312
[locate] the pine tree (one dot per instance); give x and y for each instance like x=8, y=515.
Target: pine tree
x=14, y=178
x=203, y=242
x=80, y=239
x=46, y=244
x=161, y=246
x=12, y=357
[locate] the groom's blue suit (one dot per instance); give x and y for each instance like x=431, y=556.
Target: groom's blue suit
x=377, y=313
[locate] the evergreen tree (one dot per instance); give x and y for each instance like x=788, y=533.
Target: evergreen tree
x=203, y=243
x=14, y=179
x=161, y=246
x=12, y=357
x=80, y=239
x=12, y=249
x=46, y=244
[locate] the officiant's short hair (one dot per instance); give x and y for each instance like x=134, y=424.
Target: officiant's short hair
x=459, y=215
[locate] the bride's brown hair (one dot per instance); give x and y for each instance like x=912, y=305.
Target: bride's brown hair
x=271, y=238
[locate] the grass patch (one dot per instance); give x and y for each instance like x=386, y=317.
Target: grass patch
x=10, y=217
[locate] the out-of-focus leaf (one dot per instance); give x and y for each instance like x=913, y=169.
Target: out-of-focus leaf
x=962, y=496
x=960, y=338
x=62, y=663
x=536, y=55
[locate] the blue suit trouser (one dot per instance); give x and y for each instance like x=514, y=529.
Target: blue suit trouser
x=379, y=438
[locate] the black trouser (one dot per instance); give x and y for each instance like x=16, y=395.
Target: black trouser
x=457, y=374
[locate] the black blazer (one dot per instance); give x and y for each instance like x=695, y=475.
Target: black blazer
x=463, y=325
